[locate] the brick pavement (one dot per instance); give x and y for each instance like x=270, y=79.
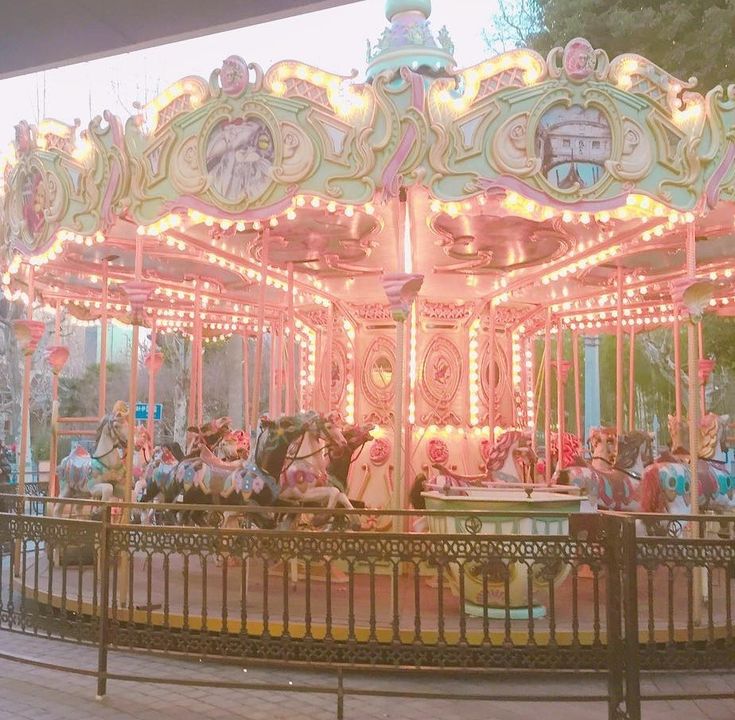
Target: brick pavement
x=30, y=693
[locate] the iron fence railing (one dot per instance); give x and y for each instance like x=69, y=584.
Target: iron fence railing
x=602, y=595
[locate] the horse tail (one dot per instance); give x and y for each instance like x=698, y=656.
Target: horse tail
x=652, y=496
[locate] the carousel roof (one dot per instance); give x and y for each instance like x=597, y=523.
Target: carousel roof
x=521, y=181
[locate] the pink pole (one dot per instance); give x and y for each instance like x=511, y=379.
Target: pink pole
x=261, y=332
x=25, y=418
x=102, y=390
x=53, y=490
x=200, y=375
x=152, y=386
x=560, y=395
x=328, y=359
x=291, y=353
x=577, y=395
x=619, y=356
x=246, y=381
x=491, y=373
x=677, y=374
x=547, y=395
x=191, y=410
x=700, y=355
x=631, y=381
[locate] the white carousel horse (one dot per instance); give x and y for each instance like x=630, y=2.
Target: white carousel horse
x=511, y=460
x=82, y=475
x=667, y=483
x=306, y=479
x=605, y=484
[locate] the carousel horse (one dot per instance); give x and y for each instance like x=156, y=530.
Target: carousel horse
x=606, y=484
x=100, y=474
x=511, y=460
x=257, y=480
x=666, y=483
x=306, y=479
x=341, y=459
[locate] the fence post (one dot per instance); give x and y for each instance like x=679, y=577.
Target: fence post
x=104, y=602
x=615, y=651
x=630, y=611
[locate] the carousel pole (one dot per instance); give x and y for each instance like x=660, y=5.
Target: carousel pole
x=246, y=382
x=25, y=418
x=291, y=352
x=547, y=396
x=693, y=402
x=491, y=373
x=328, y=350
x=401, y=290
x=54, y=448
x=273, y=368
x=152, y=369
x=261, y=332
x=102, y=391
x=676, y=442
x=200, y=375
x=577, y=398
x=619, y=355
x=560, y=372
x=703, y=382
x=191, y=409
x=137, y=294
x=631, y=381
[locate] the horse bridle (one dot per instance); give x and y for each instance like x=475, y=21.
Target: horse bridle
x=119, y=443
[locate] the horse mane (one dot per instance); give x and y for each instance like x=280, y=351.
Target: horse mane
x=629, y=446
x=100, y=427
x=498, y=454
x=709, y=428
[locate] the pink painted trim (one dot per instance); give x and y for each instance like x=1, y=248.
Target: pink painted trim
x=390, y=178
x=106, y=210
x=187, y=202
x=711, y=192
x=390, y=174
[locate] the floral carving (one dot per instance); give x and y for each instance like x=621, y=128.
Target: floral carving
x=380, y=451
x=438, y=451
x=440, y=377
x=445, y=311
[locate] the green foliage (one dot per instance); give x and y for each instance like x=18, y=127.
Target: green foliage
x=684, y=37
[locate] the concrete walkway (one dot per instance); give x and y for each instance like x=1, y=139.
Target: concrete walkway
x=31, y=693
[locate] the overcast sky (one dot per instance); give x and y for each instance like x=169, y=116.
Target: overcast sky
x=332, y=39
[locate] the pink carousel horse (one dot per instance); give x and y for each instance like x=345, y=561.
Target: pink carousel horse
x=510, y=460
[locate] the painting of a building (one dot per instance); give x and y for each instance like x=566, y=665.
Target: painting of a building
x=573, y=144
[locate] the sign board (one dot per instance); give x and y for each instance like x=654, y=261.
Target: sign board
x=141, y=411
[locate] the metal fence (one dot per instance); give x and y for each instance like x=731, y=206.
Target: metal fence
x=601, y=597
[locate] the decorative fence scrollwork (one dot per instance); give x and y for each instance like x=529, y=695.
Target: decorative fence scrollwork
x=601, y=597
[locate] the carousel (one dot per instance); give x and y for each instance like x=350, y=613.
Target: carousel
x=419, y=243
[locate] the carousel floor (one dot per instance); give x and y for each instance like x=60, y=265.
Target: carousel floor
x=204, y=595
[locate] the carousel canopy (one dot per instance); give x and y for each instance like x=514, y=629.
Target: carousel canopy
x=522, y=183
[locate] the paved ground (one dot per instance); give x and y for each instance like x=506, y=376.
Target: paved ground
x=30, y=693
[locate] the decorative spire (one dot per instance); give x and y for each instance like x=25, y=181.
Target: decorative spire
x=409, y=42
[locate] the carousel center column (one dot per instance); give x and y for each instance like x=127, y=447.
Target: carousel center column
x=401, y=290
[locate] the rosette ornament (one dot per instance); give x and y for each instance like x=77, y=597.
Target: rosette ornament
x=138, y=292
x=27, y=334
x=56, y=357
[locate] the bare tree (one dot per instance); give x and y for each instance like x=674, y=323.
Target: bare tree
x=514, y=25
